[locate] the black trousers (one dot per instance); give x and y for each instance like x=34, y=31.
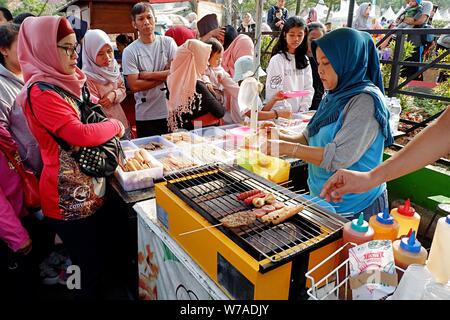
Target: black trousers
x=151, y=128
x=19, y=273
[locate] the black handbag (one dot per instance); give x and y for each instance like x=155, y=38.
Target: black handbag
x=98, y=161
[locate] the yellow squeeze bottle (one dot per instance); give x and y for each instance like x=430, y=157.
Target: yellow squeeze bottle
x=407, y=218
x=384, y=226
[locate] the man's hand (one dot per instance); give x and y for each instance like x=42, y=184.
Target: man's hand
x=346, y=181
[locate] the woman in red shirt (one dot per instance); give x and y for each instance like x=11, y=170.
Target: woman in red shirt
x=48, y=53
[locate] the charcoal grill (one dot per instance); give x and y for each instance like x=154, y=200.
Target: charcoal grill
x=209, y=193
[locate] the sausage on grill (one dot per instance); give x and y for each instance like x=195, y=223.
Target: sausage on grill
x=278, y=216
x=246, y=194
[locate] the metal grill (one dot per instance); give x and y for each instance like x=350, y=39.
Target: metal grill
x=212, y=191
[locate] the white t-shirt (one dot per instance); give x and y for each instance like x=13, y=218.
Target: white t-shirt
x=150, y=104
x=283, y=75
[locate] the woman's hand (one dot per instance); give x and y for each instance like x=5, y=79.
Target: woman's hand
x=122, y=130
x=26, y=248
x=277, y=148
x=107, y=100
x=346, y=181
x=269, y=130
x=278, y=96
x=284, y=113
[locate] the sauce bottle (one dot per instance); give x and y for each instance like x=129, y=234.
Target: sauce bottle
x=439, y=261
x=384, y=226
x=408, y=250
x=407, y=218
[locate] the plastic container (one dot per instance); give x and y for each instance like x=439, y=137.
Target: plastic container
x=412, y=283
x=209, y=153
x=179, y=155
x=408, y=250
x=141, y=143
x=357, y=231
x=439, y=260
x=384, y=226
x=295, y=94
x=227, y=145
x=436, y=291
x=128, y=145
x=183, y=137
x=140, y=179
x=210, y=134
x=238, y=135
x=229, y=126
x=407, y=218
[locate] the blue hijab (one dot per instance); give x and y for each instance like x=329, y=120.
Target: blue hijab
x=354, y=58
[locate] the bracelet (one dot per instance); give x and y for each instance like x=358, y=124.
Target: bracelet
x=276, y=113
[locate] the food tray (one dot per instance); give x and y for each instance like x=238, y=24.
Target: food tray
x=166, y=145
x=183, y=137
x=227, y=145
x=179, y=155
x=140, y=179
x=127, y=145
x=209, y=153
x=210, y=134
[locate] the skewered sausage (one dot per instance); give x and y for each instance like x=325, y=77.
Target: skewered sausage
x=250, y=199
x=246, y=194
x=278, y=216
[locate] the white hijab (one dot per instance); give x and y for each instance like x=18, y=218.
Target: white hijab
x=93, y=41
x=362, y=22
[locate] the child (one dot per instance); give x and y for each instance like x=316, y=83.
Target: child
x=219, y=81
x=289, y=68
x=244, y=68
x=412, y=10
x=278, y=17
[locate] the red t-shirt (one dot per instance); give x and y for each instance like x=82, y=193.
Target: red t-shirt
x=66, y=193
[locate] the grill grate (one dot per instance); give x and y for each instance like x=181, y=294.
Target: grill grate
x=211, y=190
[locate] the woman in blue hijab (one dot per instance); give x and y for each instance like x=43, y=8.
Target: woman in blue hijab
x=351, y=126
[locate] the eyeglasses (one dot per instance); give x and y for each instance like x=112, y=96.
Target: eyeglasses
x=71, y=50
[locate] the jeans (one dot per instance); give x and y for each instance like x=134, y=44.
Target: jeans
x=379, y=205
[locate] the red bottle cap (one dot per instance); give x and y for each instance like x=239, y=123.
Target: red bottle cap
x=406, y=209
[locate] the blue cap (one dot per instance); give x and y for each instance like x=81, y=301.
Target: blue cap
x=385, y=218
x=410, y=244
x=360, y=224
x=447, y=219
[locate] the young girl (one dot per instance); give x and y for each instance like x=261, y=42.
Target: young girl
x=220, y=83
x=103, y=75
x=289, y=68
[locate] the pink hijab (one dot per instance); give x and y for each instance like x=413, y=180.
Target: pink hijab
x=188, y=66
x=39, y=58
x=241, y=46
x=312, y=16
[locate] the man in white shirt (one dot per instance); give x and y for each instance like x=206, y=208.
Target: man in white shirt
x=145, y=63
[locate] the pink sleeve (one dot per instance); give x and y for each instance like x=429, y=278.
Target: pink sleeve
x=11, y=229
x=121, y=92
x=93, y=90
x=60, y=118
x=230, y=87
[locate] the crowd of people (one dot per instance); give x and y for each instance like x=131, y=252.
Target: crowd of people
x=46, y=69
